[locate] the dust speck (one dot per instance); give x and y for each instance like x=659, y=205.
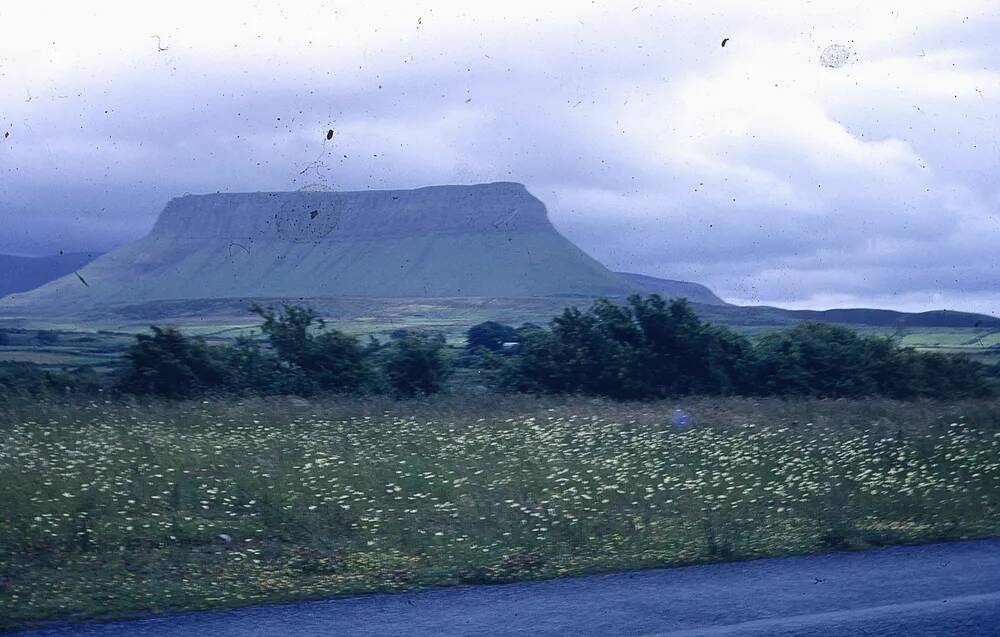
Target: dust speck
x=835, y=56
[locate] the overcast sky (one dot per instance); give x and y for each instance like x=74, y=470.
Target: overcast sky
x=761, y=168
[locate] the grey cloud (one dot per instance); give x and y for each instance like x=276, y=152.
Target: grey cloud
x=910, y=214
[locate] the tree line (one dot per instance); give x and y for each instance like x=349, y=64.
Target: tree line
x=303, y=356
x=651, y=348
x=645, y=348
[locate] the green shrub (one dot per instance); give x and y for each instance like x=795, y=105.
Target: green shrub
x=817, y=359
x=28, y=380
x=415, y=365
x=254, y=370
x=323, y=359
x=490, y=336
x=648, y=348
x=645, y=349
x=944, y=376
x=167, y=363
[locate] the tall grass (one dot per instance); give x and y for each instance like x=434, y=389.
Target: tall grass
x=111, y=509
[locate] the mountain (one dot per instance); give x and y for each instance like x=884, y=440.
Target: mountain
x=19, y=274
x=668, y=288
x=486, y=240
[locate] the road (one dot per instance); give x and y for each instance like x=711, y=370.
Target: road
x=941, y=589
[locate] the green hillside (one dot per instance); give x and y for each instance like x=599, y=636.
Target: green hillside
x=488, y=240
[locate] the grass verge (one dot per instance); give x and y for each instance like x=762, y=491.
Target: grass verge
x=113, y=510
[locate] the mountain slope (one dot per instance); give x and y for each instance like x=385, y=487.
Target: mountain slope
x=19, y=274
x=668, y=288
x=487, y=240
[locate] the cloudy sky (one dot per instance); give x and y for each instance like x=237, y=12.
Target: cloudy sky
x=761, y=168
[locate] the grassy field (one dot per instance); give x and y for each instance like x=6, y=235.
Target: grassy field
x=979, y=344
x=112, y=510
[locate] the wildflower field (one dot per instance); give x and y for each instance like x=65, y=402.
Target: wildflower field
x=111, y=510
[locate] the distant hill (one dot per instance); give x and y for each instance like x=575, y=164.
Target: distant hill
x=764, y=315
x=20, y=274
x=711, y=307
x=668, y=288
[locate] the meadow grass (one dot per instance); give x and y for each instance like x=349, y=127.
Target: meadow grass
x=112, y=510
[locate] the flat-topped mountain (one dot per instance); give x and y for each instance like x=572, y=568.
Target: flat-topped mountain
x=486, y=240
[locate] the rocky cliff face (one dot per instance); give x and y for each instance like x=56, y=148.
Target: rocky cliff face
x=486, y=240
x=311, y=217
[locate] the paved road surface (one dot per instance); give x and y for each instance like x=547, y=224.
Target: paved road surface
x=943, y=589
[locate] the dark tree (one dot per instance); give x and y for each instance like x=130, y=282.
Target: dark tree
x=330, y=359
x=28, y=380
x=818, y=359
x=647, y=348
x=491, y=336
x=415, y=365
x=168, y=363
x=256, y=370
